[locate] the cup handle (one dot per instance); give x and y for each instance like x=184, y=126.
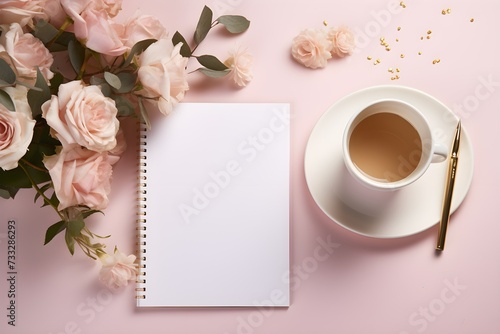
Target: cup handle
x=440, y=153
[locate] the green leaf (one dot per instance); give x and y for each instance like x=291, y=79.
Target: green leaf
x=211, y=62
x=86, y=214
x=212, y=73
x=128, y=81
x=45, y=31
x=54, y=230
x=185, y=50
x=38, y=97
x=204, y=25
x=7, y=74
x=76, y=52
x=4, y=193
x=8, y=192
x=75, y=226
x=70, y=242
x=124, y=106
x=138, y=48
x=6, y=100
x=112, y=80
x=144, y=114
x=42, y=190
x=235, y=24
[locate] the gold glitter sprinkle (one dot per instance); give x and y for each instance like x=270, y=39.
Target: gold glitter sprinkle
x=325, y=23
x=472, y=20
x=399, y=28
x=429, y=32
x=378, y=61
x=419, y=53
x=421, y=37
x=397, y=39
x=369, y=57
x=448, y=11
x=402, y=55
x=443, y=12
x=436, y=61
x=390, y=70
x=397, y=70
x=402, y=4
x=428, y=37
x=387, y=49
x=393, y=78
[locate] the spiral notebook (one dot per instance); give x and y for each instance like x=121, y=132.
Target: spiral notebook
x=214, y=199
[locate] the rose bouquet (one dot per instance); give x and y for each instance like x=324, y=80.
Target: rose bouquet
x=68, y=72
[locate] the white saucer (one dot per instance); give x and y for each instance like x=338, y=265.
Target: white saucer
x=414, y=208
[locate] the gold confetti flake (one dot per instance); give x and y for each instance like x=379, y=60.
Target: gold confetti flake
x=369, y=57
x=421, y=37
x=428, y=37
x=397, y=39
x=443, y=12
x=387, y=49
x=448, y=11
x=472, y=20
x=420, y=53
x=402, y=4
x=397, y=70
x=436, y=61
x=429, y=32
x=390, y=70
x=402, y=55
x=378, y=61
x=325, y=23
x=399, y=28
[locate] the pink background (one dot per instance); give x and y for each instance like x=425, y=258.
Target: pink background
x=365, y=285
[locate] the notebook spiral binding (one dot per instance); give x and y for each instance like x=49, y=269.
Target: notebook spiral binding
x=141, y=214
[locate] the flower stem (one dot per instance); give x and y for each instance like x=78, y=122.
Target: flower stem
x=38, y=190
x=34, y=166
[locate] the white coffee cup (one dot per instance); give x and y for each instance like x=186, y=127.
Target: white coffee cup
x=387, y=146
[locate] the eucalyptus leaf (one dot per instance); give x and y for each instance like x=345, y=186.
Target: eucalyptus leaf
x=105, y=89
x=211, y=62
x=124, y=106
x=38, y=97
x=235, y=24
x=75, y=226
x=128, y=81
x=212, y=73
x=6, y=100
x=45, y=31
x=86, y=214
x=204, y=25
x=76, y=52
x=138, y=48
x=4, y=194
x=70, y=242
x=95, y=80
x=7, y=74
x=54, y=230
x=112, y=80
x=185, y=50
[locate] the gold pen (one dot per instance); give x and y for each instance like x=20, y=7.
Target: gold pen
x=448, y=193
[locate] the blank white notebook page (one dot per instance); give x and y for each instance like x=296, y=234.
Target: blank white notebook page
x=217, y=206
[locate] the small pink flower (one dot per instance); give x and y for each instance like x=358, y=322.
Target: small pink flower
x=117, y=269
x=311, y=48
x=239, y=64
x=16, y=128
x=343, y=41
x=80, y=176
x=83, y=115
x=27, y=53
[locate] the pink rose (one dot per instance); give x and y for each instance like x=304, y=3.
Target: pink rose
x=92, y=24
x=343, y=42
x=121, y=145
x=141, y=27
x=54, y=13
x=117, y=269
x=80, y=176
x=311, y=48
x=20, y=11
x=27, y=53
x=16, y=128
x=163, y=75
x=239, y=64
x=82, y=115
